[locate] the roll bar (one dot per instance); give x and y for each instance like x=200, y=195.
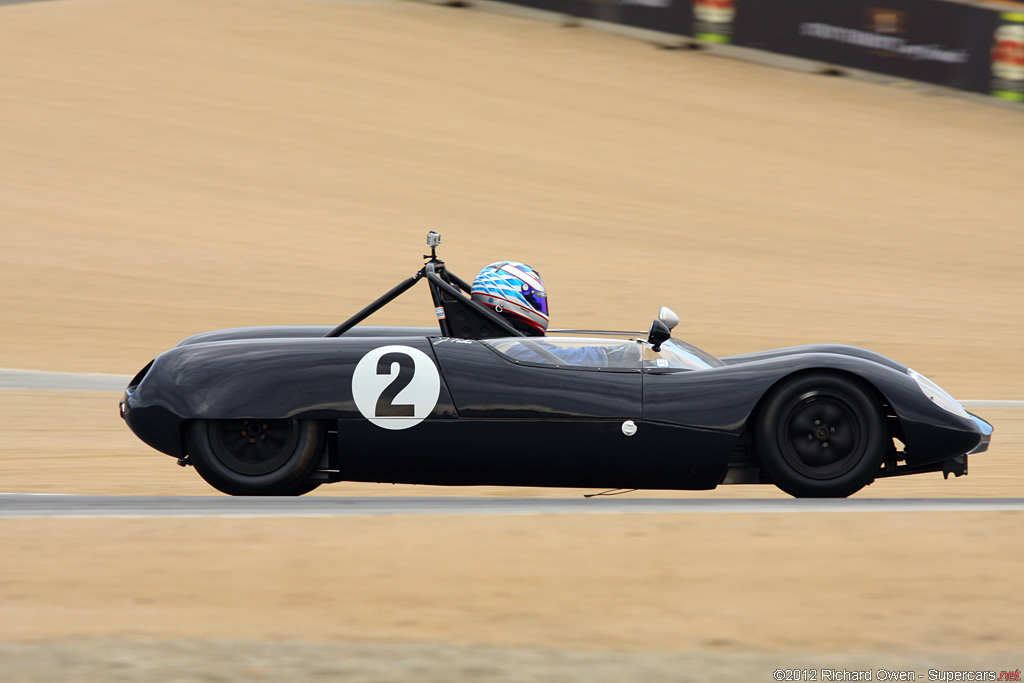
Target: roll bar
x=458, y=315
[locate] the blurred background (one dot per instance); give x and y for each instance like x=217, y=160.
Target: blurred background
x=168, y=168
x=173, y=167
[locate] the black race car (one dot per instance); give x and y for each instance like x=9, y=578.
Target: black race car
x=281, y=410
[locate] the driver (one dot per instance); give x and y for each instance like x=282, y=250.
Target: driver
x=516, y=291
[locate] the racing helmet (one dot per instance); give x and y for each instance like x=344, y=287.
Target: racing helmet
x=516, y=291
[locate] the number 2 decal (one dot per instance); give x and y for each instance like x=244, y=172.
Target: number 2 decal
x=395, y=387
x=386, y=406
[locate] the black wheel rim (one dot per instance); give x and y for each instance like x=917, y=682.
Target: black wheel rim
x=254, y=447
x=822, y=434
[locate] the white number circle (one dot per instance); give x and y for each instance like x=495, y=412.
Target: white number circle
x=395, y=387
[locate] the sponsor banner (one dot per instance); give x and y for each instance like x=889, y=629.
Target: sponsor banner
x=972, y=47
x=925, y=40
x=667, y=16
x=713, y=19
x=1008, y=57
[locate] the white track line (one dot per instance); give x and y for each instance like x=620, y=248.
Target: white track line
x=93, y=381
x=61, y=381
x=22, y=506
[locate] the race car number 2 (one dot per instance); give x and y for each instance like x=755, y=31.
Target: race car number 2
x=395, y=387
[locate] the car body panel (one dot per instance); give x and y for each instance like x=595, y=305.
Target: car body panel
x=267, y=377
x=500, y=422
x=523, y=391
x=834, y=349
x=724, y=398
x=303, y=332
x=523, y=452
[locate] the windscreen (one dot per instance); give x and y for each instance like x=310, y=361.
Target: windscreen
x=606, y=354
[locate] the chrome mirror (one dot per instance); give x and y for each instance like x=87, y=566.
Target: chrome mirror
x=669, y=317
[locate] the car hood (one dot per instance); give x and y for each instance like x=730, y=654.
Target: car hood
x=838, y=349
x=303, y=331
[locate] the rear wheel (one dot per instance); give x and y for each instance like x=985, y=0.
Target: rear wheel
x=821, y=435
x=254, y=457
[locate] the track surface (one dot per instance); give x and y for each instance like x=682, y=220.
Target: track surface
x=181, y=166
x=15, y=505
x=61, y=381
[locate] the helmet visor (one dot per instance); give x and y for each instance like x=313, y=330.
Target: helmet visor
x=537, y=298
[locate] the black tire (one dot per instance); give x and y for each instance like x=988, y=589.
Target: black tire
x=821, y=436
x=254, y=457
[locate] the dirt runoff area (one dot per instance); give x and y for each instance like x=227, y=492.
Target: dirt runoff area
x=173, y=167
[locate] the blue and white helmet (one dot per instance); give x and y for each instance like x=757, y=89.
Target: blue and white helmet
x=516, y=291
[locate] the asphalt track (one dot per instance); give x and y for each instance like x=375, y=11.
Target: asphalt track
x=53, y=506
x=61, y=381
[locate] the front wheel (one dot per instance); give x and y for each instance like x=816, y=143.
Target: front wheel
x=821, y=435
x=254, y=457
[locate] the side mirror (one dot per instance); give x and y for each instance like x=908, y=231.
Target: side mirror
x=669, y=317
x=658, y=335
